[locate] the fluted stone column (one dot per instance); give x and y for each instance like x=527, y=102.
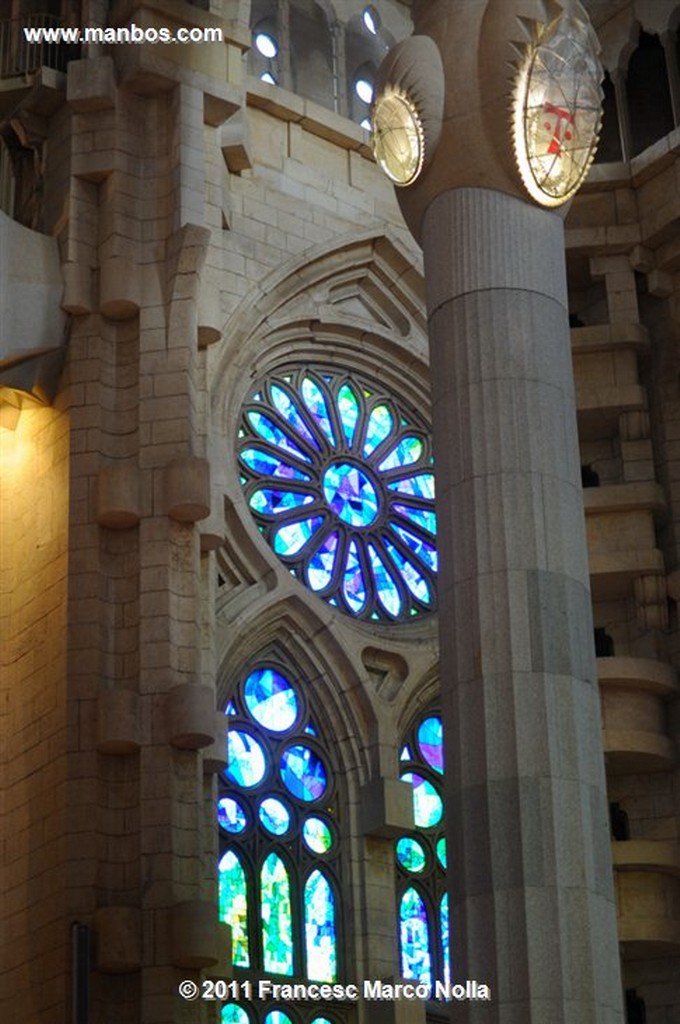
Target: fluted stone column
x=533, y=910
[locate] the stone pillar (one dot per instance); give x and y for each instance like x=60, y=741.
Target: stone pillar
x=531, y=884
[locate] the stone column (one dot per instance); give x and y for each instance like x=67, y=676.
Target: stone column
x=531, y=885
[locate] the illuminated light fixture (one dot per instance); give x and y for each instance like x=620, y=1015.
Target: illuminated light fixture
x=558, y=107
x=398, y=137
x=371, y=20
x=266, y=45
x=267, y=77
x=364, y=90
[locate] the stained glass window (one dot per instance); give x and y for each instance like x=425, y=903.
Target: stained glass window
x=339, y=479
x=279, y=841
x=421, y=858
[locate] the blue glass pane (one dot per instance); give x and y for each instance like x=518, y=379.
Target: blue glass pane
x=230, y=709
x=419, y=486
x=269, y=465
x=310, y=730
x=288, y=408
x=269, y=431
x=425, y=552
x=316, y=403
x=277, y=1017
x=271, y=699
x=230, y=815
x=378, y=429
x=246, y=762
x=348, y=407
x=353, y=584
x=275, y=912
x=441, y=852
x=427, y=803
x=414, y=936
x=270, y=502
x=444, y=924
x=320, y=1020
x=385, y=587
x=412, y=577
x=317, y=835
x=431, y=742
x=233, y=1014
x=411, y=854
x=290, y=539
x=303, y=773
x=274, y=816
x=320, y=940
x=420, y=516
x=405, y=754
x=233, y=906
x=350, y=494
x=408, y=451
x=321, y=565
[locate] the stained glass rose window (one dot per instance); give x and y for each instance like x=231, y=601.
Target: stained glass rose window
x=338, y=476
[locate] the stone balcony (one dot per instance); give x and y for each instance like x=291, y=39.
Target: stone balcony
x=634, y=692
x=647, y=879
x=620, y=527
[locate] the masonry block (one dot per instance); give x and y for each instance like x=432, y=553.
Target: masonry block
x=187, y=489
x=91, y=85
x=195, y=934
x=118, y=496
x=118, y=939
x=386, y=808
x=118, y=728
x=191, y=716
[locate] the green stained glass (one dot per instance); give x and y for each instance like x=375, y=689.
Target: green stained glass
x=320, y=1020
x=233, y=1014
x=246, y=761
x=378, y=429
x=419, y=486
x=387, y=589
x=274, y=816
x=266, y=464
x=277, y=1017
x=275, y=913
x=321, y=565
x=350, y=494
x=431, y=742
x=411, y=855
x=315, y=401
x=427, y=803
x=441, y=852
x=320, y=938
x=233, y=904
x=414, y=934
x=231, y=816
x=291, y=539
x=406, y=453
x=271, y=699
x=317, y=835
x=348, y=407
x=269, y=431
x=288, y=408
x=270, y=502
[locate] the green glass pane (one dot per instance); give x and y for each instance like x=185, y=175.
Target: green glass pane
x=275, y=911
x=348, y=407
x=233, y=903
x=233, y=1014
x=441, y=852
x=411, y=855
x=320, y=937
x=317, y=835
x=427, y=803
x=277, y=1017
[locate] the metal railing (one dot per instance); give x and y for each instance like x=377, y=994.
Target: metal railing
x=17, y=57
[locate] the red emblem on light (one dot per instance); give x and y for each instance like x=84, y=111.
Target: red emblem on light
x=560, y=128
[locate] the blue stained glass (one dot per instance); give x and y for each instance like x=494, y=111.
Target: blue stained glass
x=406, y=453
x=271, y=699
x=405, y=754
x=441, y=852
x=269, y=431
x=412, y=577
x=348, y=407
x=424, y=551
x=353, y=584
x=419, y=486
x=320, y=939
x=431, y=742
x=310, y=730
x=422, y=517
x=291, y=538
x=444, y=924
x=303, y=773
x=321, y=565
x=230, y=815
x=316, y=403
x=233, y=906
x=288, y=408
x=427, y=803
x=317, y=835
x=386, y=588
x=274, y=816
x=275, y=912
x=270, y=502
x=230, y=709
x=414, y=934
x=277, y=1017
x=320, y=1020
x=350, y=494
x=378, y=429
x=246, y=759
x=233, y=1014
x=269, y=465
x=411, y=854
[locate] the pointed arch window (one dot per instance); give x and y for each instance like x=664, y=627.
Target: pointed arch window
x=279, y=858
x=422, y=899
